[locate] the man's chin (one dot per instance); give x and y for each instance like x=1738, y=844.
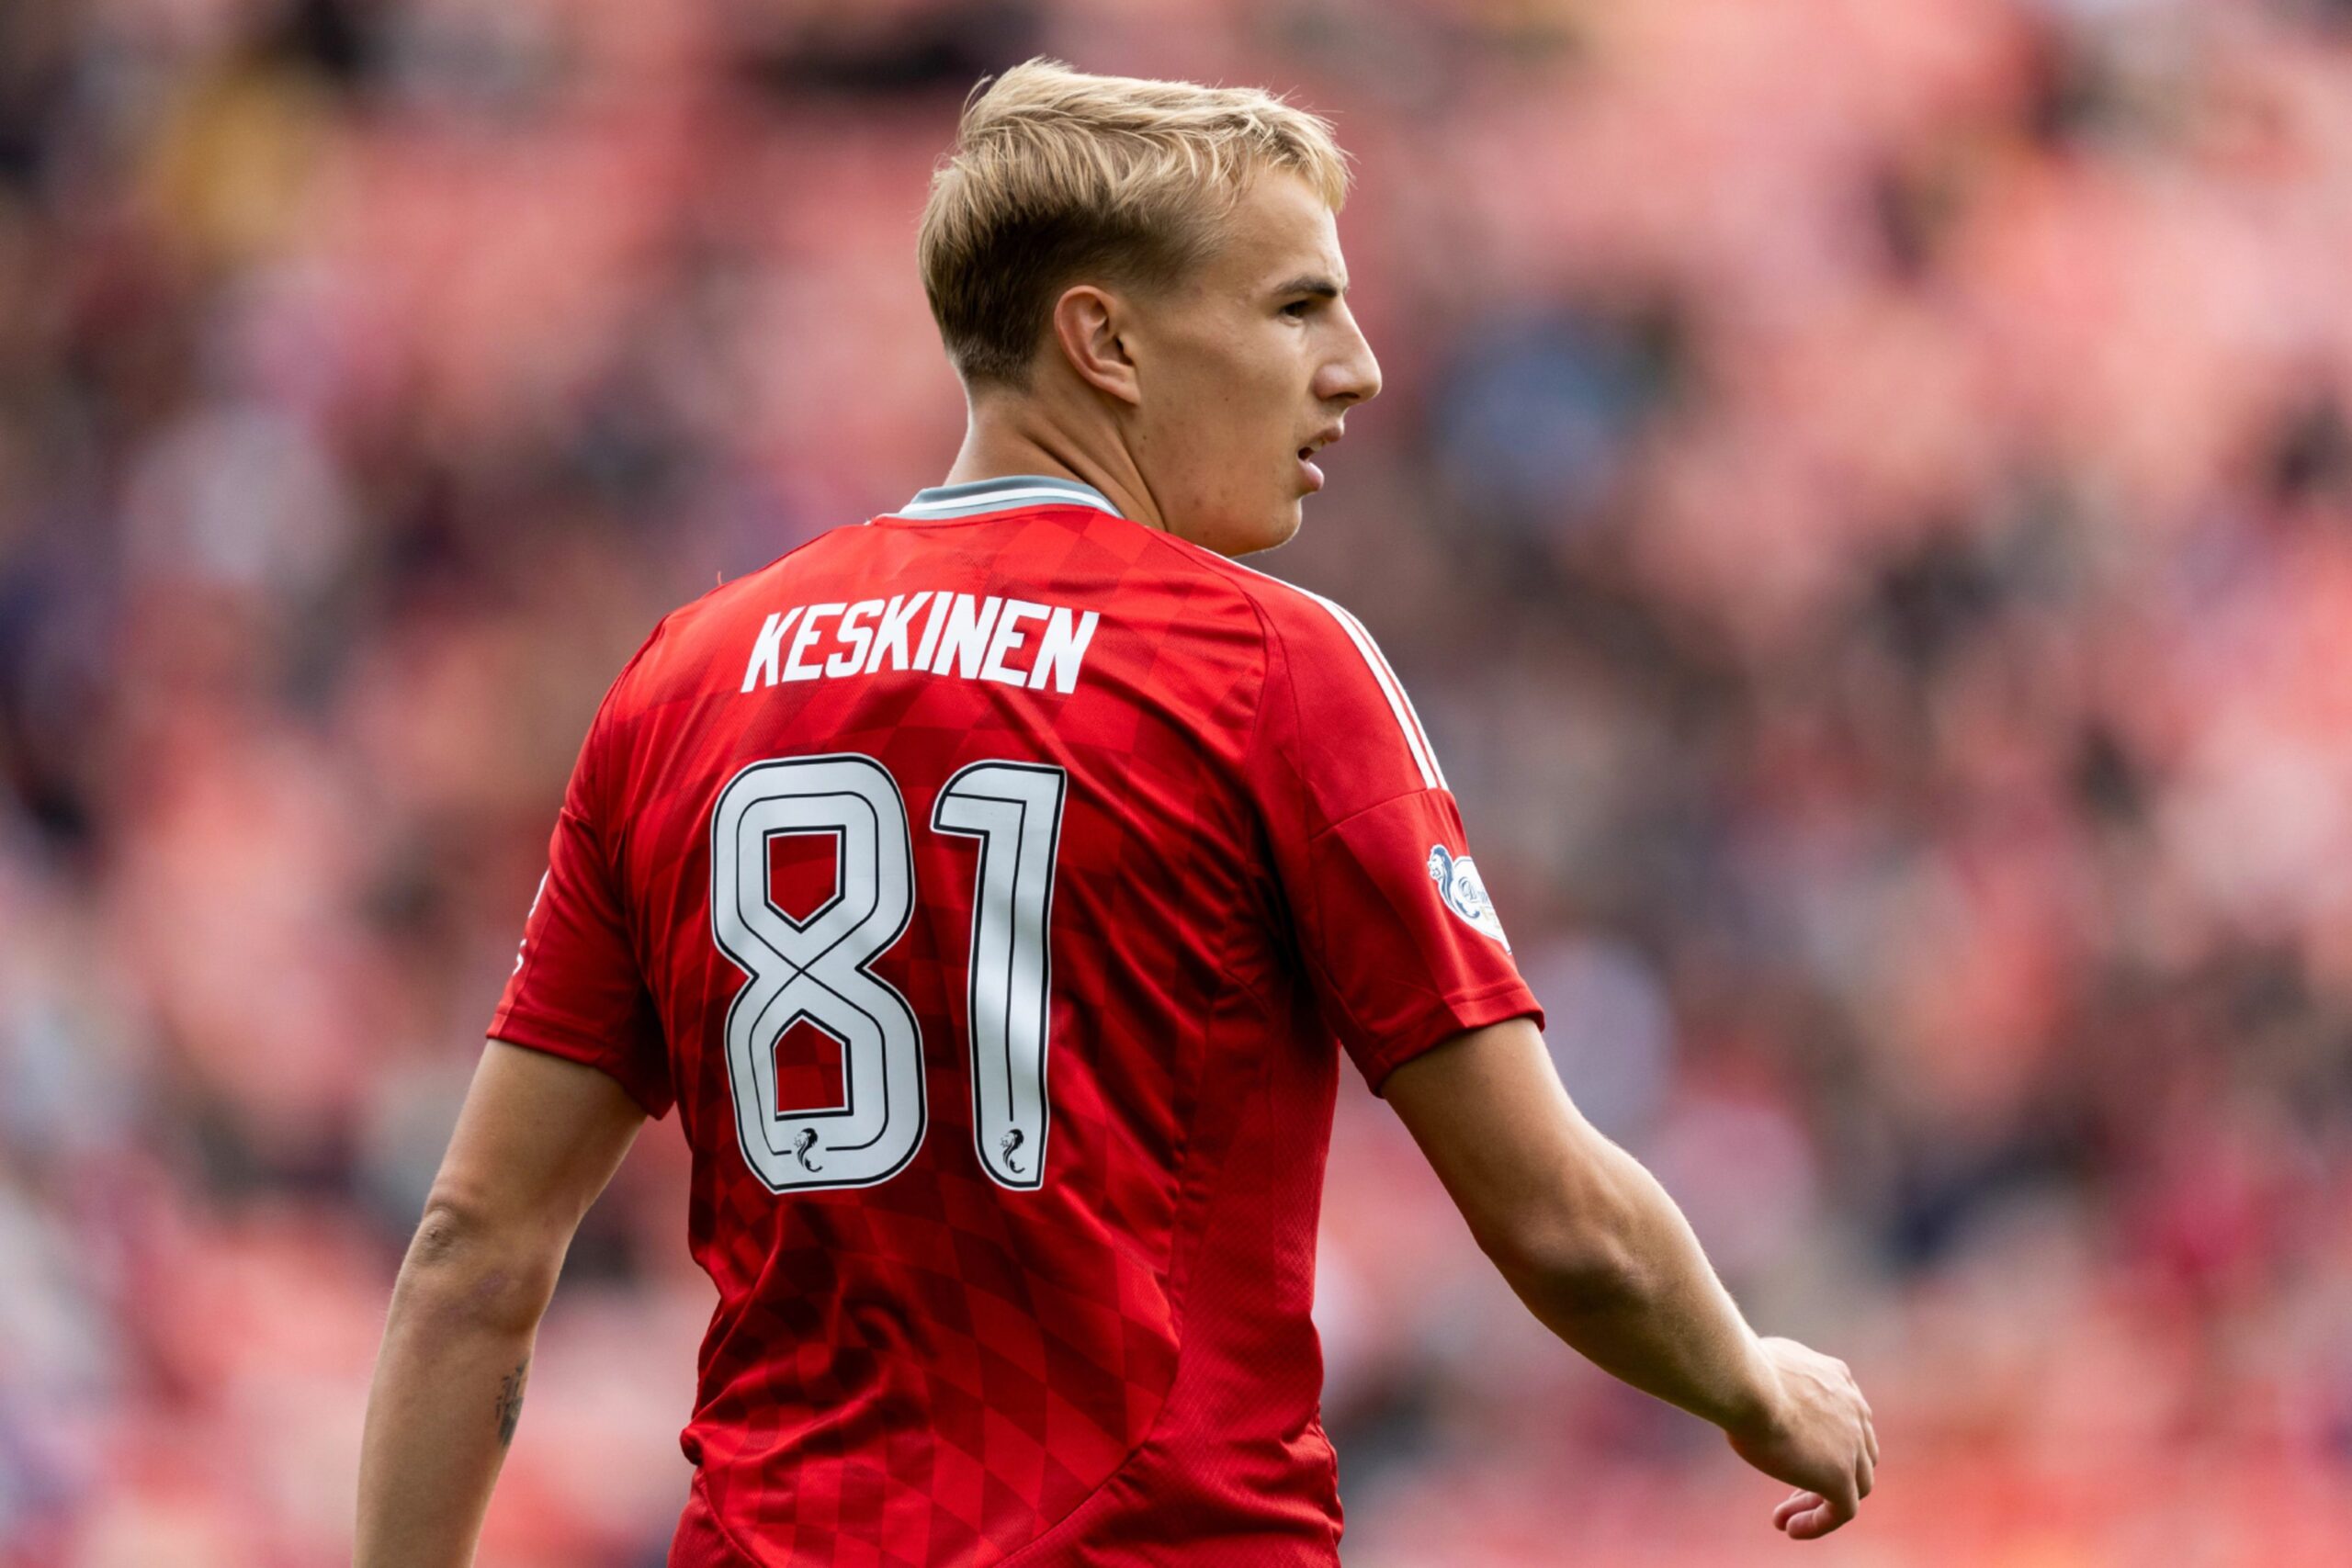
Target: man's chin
x=1236, y=536
x=1266, y=534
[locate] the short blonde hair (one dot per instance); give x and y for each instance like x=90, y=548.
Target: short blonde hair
x=1059, y=176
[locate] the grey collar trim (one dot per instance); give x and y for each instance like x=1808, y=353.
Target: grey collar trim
x=977, y=496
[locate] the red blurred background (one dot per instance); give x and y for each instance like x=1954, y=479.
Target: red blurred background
x=1863, y=501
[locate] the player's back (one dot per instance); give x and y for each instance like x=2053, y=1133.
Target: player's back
x=966, y=877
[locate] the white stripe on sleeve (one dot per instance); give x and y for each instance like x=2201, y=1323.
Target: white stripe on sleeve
x=1400, y=702
x=1408, y=721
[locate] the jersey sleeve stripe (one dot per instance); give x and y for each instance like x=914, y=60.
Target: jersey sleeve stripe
x=1416, y=739
x=1408, y=721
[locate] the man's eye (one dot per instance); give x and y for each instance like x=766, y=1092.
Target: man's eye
x=1298, y=307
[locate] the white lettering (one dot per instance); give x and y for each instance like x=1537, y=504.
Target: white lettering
x=794, y=669
x=851, y=632
x=891, y=636
x=763, y=651
x=967, y=637
x=1061, y=648
x=993, y=667
x=939, y=605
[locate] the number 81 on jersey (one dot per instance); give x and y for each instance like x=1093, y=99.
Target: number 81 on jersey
x=817, y=969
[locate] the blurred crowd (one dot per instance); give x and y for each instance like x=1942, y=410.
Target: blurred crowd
x=1863, y=501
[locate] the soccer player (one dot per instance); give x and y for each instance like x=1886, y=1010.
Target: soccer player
x=991, y=886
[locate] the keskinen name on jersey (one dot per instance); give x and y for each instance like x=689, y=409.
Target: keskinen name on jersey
x=993, y=639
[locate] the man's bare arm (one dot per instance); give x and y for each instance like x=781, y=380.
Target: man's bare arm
x=536, y=1143
x=1601, y=1255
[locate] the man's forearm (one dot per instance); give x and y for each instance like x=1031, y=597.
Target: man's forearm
x=1636, y=1295
x=448, y=1393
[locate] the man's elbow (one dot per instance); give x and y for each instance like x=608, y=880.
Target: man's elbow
x=1578, y=1249
x=467, y=1268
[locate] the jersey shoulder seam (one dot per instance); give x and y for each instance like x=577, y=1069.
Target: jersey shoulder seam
x=1254, y=586
x=1237, y=579
x=1332, y=826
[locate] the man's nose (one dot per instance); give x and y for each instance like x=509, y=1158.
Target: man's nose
x=1354, y=376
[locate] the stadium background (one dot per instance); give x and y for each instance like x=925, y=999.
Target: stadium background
x=1863, y=500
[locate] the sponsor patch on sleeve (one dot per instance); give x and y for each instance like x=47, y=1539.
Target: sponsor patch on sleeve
x=1465, y=893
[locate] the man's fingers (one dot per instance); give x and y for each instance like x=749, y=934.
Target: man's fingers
x=1813, y=1526
x=1870, y=1438
x=1806, y=1515
x=1811, y=1523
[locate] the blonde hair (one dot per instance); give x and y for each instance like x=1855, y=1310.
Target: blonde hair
x=1059, y=176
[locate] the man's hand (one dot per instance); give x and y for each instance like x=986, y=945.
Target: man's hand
x=1813, y=1433
x=1599, y=1252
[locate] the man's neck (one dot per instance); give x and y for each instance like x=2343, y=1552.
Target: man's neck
x=996, y=445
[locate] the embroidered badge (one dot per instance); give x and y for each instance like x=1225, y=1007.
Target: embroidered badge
x=1459, y=885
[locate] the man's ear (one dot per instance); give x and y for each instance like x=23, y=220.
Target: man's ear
x=1087, y=324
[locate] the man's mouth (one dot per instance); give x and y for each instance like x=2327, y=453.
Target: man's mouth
x=1307, y=456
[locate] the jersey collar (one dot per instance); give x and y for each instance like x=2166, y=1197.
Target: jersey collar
x=975, y=496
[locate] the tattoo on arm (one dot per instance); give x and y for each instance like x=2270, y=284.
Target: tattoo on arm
x=510, y=1400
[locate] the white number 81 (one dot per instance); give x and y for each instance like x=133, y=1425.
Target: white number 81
x=816, y=968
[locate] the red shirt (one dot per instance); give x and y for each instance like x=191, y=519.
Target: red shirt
x=987, y=886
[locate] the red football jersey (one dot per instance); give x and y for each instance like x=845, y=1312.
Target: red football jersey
x=987, y=884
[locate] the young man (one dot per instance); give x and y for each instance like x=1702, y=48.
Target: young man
x=987, y=886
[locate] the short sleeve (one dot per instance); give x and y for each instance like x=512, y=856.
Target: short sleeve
x=577, y=990
x=1391, y=917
